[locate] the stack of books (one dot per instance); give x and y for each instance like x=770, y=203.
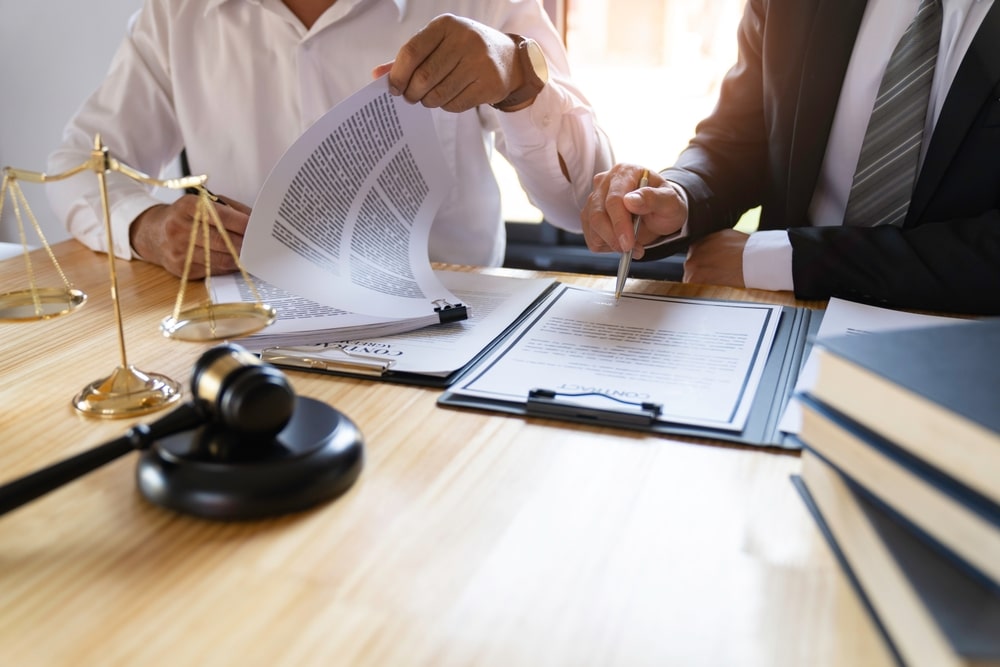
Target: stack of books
x=901, y=468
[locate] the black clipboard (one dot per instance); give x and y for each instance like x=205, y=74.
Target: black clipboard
x=793, y=337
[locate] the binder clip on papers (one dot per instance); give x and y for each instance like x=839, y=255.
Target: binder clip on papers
x=548, y=403
x=450, y=312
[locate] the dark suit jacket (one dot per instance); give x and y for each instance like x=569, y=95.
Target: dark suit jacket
x=765, y=142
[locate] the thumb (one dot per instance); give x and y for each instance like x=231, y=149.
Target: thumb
x=381, y=70
x=662, y=209
x=635, y=202
x=659, y=198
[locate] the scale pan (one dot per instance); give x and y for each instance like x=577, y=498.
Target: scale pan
x=218, y=321
x=39, y=304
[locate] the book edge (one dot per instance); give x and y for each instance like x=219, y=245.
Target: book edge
x=925, y=643
x=947, y=523
x=837, y=384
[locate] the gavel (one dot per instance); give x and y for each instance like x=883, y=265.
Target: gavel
x=248, y=406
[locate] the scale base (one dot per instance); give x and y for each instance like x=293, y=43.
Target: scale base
x=214, y=473
x=127, y=392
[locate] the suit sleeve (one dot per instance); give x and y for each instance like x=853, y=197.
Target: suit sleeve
x=723, y=168
x=948, y=266
x=947, y=261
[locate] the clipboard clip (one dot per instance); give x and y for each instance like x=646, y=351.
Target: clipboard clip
x=547, y=403
x=305, y=358
x=450, y=312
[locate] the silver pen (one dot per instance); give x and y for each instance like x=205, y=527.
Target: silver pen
x=626, y=261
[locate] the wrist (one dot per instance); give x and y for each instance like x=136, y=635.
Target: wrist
x=138, y=235
x=531, y=73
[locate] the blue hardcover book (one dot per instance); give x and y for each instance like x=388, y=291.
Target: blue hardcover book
x=931, y=611
x=934, y=392
x=951, y=515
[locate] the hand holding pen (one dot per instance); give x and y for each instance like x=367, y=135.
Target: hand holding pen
x=161, y=234
x=626, y=259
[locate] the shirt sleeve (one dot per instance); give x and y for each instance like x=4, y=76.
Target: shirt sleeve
x=767, y=261
x=560, y=123
x=135, y=96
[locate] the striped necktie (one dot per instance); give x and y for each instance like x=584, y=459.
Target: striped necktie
x=888, y=164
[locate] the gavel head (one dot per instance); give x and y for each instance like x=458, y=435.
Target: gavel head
x=242, y=392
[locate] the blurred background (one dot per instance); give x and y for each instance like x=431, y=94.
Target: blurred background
x=651, y=68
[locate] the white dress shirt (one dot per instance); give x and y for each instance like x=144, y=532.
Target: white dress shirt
x=236, y=82
x=767, y=257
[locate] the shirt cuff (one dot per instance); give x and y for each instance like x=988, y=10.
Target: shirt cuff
x=767, y=261
x=535, y=124
x=123, y=214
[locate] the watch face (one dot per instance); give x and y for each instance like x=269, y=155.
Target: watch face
x=538, y=63
x=534, y=71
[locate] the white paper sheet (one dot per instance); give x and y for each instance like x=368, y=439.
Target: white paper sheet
x=848, y=318
x=441, y=349
x=345, y=216
x=700, y=360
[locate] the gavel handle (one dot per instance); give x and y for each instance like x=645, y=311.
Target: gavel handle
x=40, y=482
x=31, y=486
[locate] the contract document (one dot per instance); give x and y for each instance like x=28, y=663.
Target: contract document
x=301, y=321
x=344, y=217
x=700, y=361
x=432, y=355
x=310, y=336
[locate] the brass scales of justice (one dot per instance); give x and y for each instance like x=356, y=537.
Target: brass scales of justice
x=127, y=391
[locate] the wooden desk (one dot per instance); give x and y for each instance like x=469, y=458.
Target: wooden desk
x=469, y=539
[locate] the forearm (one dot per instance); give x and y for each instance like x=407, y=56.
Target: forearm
x=951, y=266
x=556, y=147
x=724, y=168
x=133, y=114
x=77, y=202
x=555, y=144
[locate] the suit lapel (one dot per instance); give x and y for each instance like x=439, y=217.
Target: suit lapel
x=974, y=83
x=831, y=42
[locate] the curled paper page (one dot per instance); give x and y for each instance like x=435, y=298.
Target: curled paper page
x=344, y=217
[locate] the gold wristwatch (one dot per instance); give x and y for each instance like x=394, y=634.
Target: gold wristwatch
x=534, y=70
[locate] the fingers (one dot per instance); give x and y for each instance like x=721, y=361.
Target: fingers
x=609, y=216
x=174, y=255
x=598, y=229
x=382, y=70
x=410, y=57
x=234, y=217
x=454, y=64
x=455, y=93
x=420, y=66
x=232, y=203
x=163, y=235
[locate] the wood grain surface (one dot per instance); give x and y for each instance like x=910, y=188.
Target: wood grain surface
x=469, y=539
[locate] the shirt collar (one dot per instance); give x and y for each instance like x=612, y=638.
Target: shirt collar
x=210, y=5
